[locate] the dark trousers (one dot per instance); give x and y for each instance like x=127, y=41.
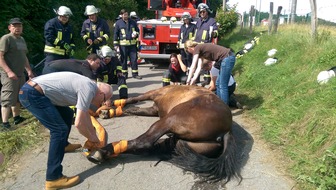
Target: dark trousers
x=131, y=53
x=55, y=118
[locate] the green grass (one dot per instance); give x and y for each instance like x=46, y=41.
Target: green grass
x=295, y=113
x=19, y=139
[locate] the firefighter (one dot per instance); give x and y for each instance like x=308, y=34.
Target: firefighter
x=206, y=30
x=95, y=31
x=187, y=32
x=112, y=68
x=134, y=16
x=126, y=33
x=58, y=34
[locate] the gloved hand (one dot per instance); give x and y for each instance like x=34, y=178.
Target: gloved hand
x=134, y=34
x=66, y=46
x=116, y=48
x=96, y=41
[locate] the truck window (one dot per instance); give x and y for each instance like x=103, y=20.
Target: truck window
x=148, y=33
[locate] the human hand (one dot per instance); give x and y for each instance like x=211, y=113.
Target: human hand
x=89, y=41
x=12, y=75
x=116, y=48
x=134, y=34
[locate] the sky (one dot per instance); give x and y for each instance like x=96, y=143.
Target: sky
x=325, y=8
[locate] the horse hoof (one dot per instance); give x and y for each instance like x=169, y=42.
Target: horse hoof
x=96, y=157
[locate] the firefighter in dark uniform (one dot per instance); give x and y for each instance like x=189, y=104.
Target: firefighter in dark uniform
x=187, y=32
x=95, y=31
x=126, y=33
x=58, y=34
x=112, y=68
x=206, y=30
x=83, y=67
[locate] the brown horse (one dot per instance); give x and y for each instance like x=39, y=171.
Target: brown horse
x=199, y=126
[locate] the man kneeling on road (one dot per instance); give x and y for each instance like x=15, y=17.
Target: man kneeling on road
x=48, y=98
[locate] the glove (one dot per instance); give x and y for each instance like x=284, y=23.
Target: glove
x=66, y=46
x=96, y=41
x=116, y=48
x=134, y=34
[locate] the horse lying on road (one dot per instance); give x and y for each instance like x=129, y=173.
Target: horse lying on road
x=198, y=124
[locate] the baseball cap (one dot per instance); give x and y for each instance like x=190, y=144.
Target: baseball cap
x=15, y=21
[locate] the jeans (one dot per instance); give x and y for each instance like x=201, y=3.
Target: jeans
x=222, y=81
x=55, y=118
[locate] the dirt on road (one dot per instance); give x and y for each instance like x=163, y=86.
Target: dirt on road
x=261, y=166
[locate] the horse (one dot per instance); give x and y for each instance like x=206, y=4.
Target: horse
x=198, y=125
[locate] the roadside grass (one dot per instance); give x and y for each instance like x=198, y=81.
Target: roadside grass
x=296, y=114
x=18, y=139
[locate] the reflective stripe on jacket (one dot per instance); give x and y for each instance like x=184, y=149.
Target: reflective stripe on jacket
x=123, y=32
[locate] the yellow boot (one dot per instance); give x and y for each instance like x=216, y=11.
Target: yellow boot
x=62, y=183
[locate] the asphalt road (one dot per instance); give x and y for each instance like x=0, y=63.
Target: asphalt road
x=260, y=167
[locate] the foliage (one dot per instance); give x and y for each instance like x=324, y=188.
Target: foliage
x=227, y=20
x=295, y=113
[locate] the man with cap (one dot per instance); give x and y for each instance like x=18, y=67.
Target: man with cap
x=58, y=34
x=95, y=31
x=13, y=62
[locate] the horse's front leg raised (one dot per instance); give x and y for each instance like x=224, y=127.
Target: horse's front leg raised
x=139, y=145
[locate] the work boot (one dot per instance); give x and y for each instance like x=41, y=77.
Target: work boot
x=62, y=183
x=18, y=119
x=137, y=77
x=72, y=147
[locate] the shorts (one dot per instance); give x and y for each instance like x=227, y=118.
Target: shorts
x=10, y=90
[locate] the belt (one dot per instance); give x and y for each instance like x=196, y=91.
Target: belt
x=231, y=53
x=35, y=86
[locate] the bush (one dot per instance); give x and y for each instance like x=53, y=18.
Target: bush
x=227, y=21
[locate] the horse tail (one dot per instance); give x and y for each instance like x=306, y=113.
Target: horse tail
x=224, y=167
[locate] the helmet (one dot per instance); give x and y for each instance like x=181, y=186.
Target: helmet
x=163, y=18
x=203, y=6
x=173, y=19
x=186, y=15
x=324, y=76
x=90, y=10
x=106, y=51
x=64, y=11
x=133, y=14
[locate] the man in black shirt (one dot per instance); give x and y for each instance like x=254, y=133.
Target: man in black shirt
x=83, y=67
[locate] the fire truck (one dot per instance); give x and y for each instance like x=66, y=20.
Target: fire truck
x=158, y=37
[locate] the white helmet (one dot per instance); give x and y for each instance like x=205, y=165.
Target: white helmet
x=173, y=19
x=163, y=18
x=64, y=11
x=106, y=51
x=324, y=76
x=186, y=15
x=90, y=10
x=203, y=6
x=133, y=14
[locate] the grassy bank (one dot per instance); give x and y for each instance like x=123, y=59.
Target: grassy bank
x=296, y=114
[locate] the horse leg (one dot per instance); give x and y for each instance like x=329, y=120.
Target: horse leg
x=150, y=111
x=136, y=146
x=150, y=95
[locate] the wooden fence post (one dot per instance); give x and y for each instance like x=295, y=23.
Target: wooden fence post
x=270, y=18
x=276, y=21
x=251, y=18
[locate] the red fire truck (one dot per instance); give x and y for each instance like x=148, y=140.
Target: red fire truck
x=158, y=37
